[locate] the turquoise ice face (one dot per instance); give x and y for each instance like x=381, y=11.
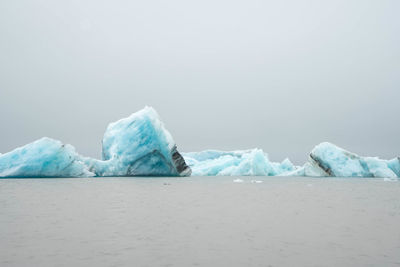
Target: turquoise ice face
x=335, y=161
x=133, y=137
x=43, y=158
x=139, y=145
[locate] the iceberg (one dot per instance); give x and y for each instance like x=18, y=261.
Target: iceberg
x=327, y=159
x=139, y=145
x=252, y=162
x=45, y=157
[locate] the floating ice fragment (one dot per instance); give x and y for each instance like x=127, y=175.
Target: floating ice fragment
x=238, y=181
x=390, y=179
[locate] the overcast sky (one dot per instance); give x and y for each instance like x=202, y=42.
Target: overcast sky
x=278, y=75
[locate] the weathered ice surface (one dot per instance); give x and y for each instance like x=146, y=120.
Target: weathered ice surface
x=139, y=146
x=43, y=158
x=253, y=162
x=326, y=159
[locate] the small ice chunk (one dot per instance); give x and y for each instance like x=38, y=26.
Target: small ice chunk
x=390, y=179
x=238, y=181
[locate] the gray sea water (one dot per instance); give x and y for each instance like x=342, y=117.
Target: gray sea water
x=197, y=221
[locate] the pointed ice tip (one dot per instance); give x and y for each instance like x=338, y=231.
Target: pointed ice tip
x=324, y=146
x=325, y=143
x=45, y=138
x=149, y=109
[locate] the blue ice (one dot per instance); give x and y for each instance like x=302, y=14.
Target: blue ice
x=43, y=158
x=139, y=145
x=327, y=159
x=253, y=162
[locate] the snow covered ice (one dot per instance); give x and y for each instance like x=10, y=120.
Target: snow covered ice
x=139, y=145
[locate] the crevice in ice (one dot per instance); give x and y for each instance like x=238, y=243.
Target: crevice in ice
x=315, y=161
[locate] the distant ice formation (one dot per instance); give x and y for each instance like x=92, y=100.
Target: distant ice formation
x=139, y=145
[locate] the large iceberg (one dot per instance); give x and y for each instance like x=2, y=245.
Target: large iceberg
x=135, y=146
x=253, y=162
x=139, y=146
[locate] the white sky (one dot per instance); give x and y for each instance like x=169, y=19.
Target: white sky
x=279, y=75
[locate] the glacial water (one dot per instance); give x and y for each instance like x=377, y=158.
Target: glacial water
x=200, y=221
